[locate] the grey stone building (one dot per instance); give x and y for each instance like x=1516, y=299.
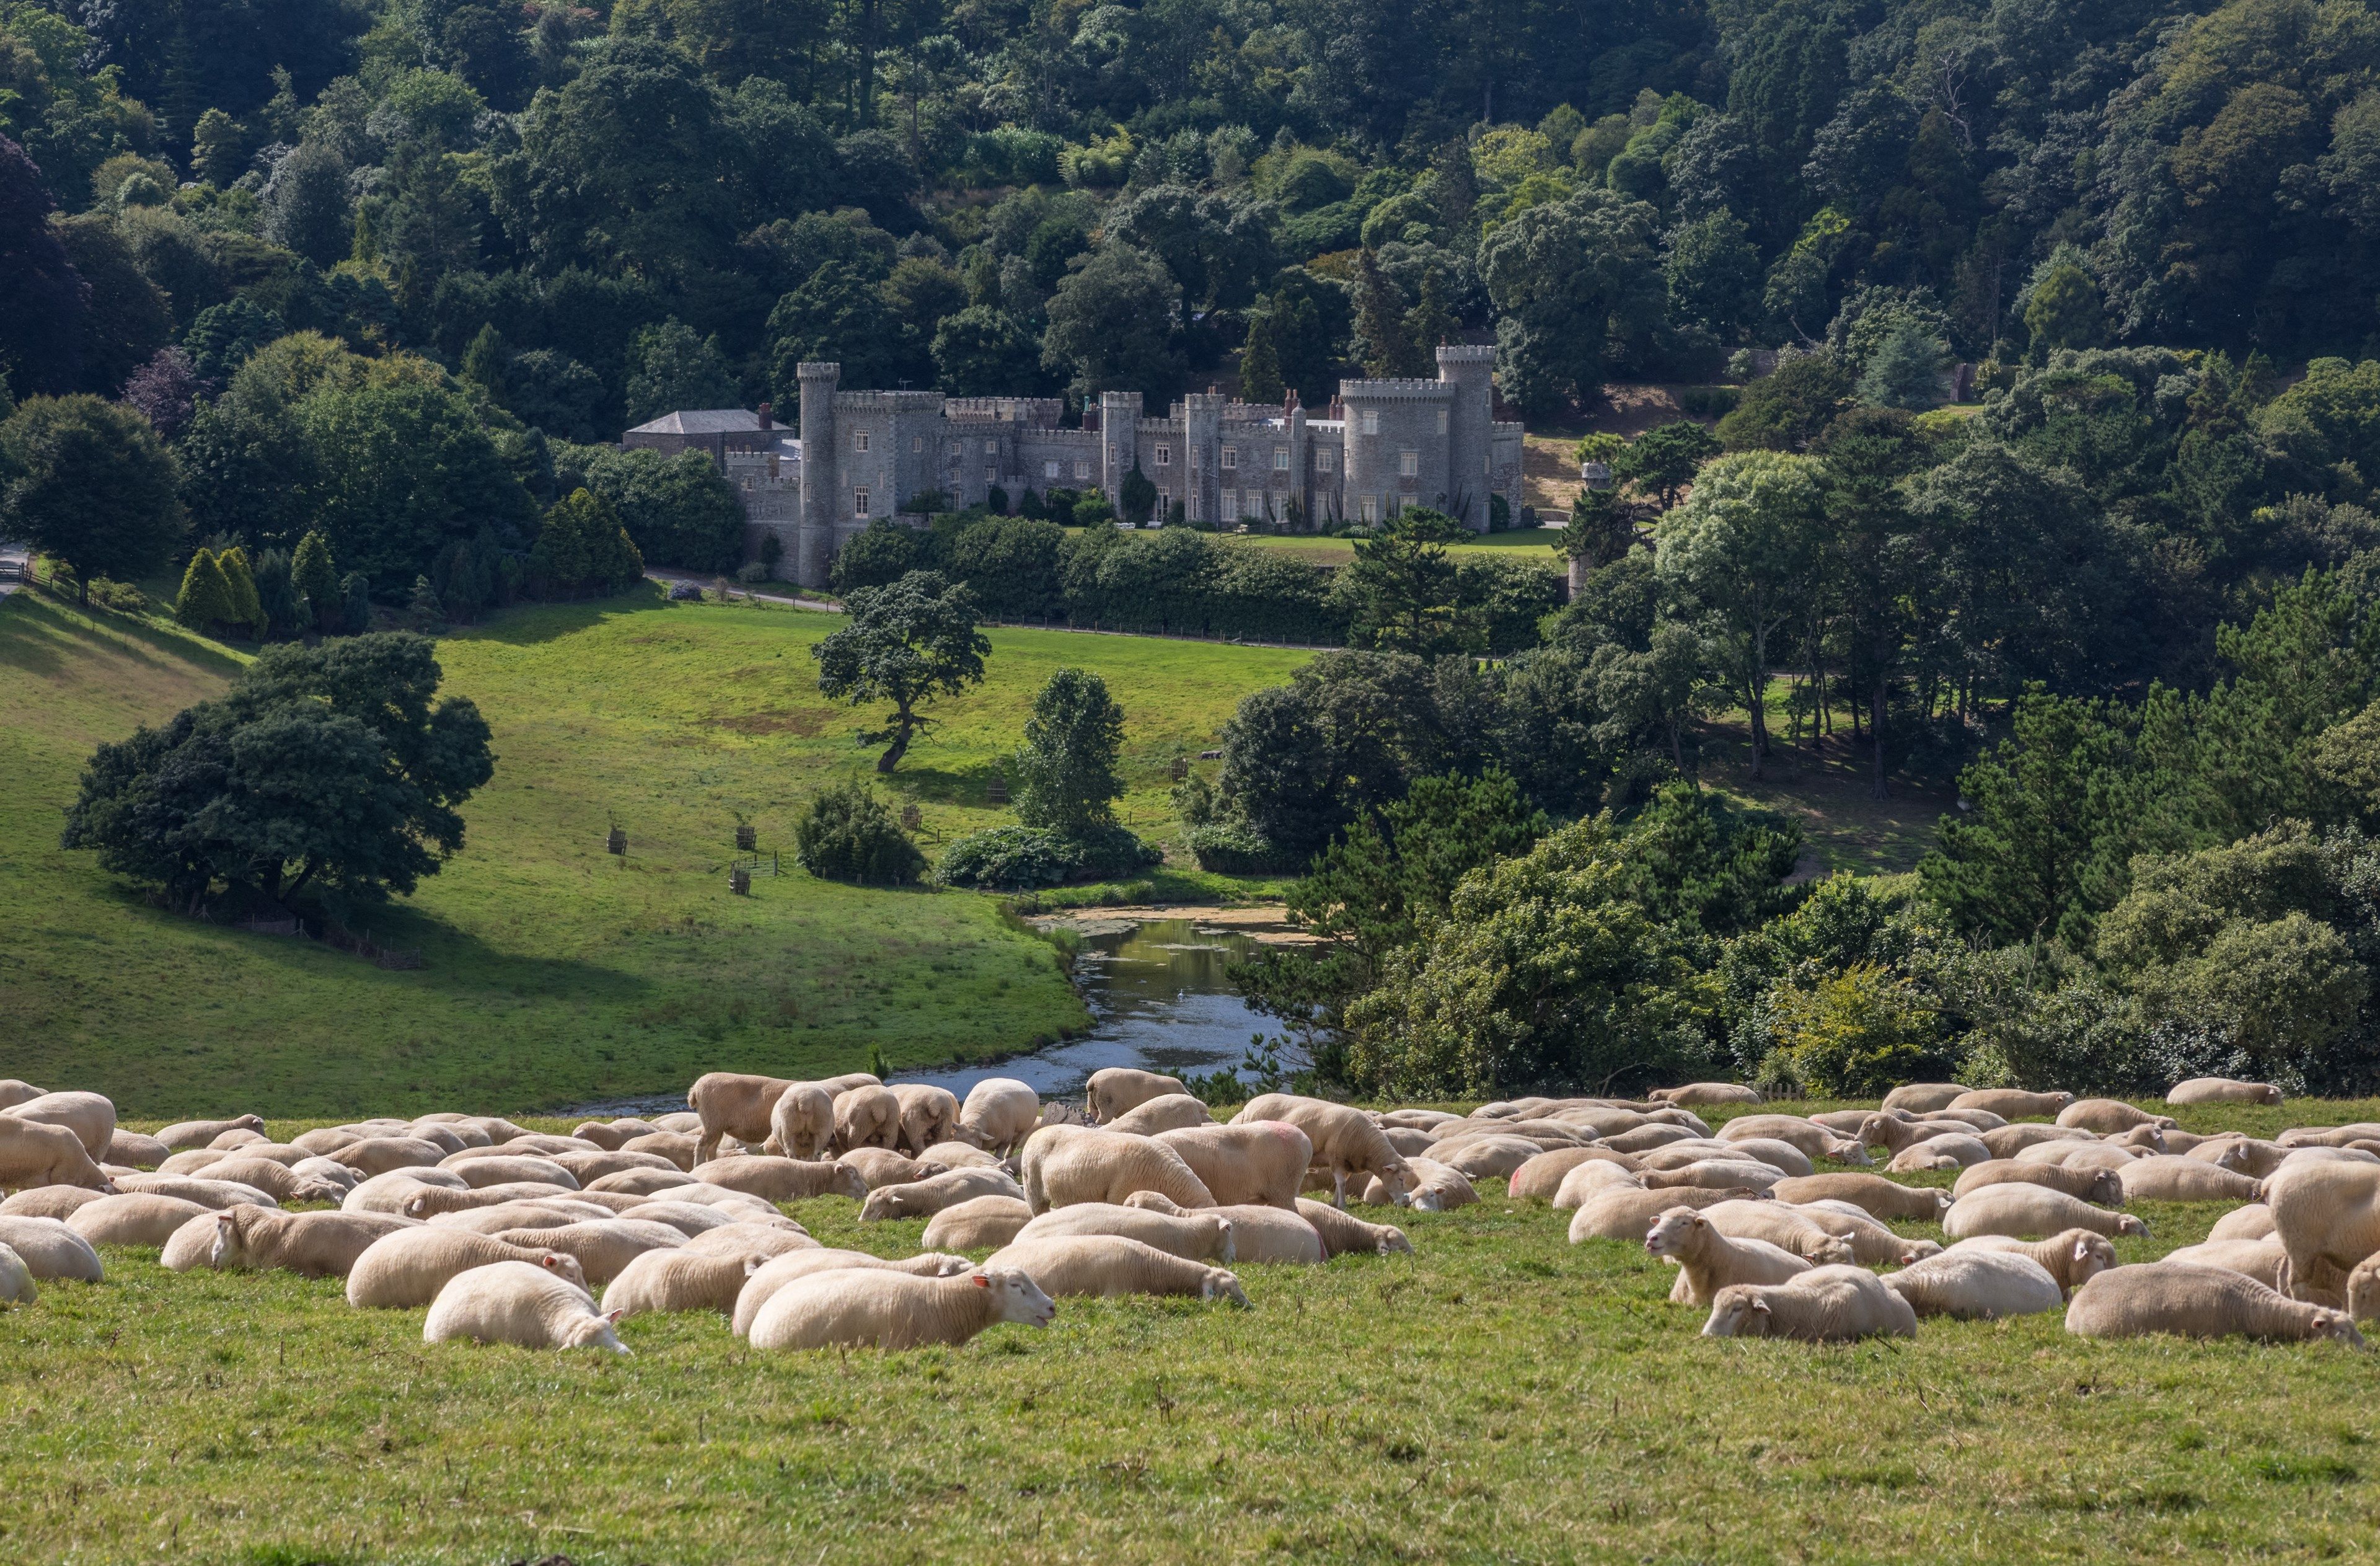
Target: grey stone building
x=1380, y=446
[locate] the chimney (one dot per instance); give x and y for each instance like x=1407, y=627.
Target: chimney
x=765, y=410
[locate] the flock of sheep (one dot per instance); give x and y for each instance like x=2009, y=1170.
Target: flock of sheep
x=504, y=1234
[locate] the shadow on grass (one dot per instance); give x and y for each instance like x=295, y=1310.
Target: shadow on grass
x=526, y=625
x=21, y=648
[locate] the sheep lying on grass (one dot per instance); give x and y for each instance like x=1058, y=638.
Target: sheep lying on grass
x=1109, y=1265
x=409, y=1267
x=2073, y=1257
x=512, y=1302
x=1708, y=1261
x=1976, y=1285
x=2193, y=1301
x=1826, y=1305
x=985, y=1223
x=875, y=1308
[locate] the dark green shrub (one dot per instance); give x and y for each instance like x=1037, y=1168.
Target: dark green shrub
x=1009, y=860
x=848, y=835
x=1230, y=848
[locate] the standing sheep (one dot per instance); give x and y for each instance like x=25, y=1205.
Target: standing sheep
x=801, y=1123
x=1065, y=1164
x=873, y=1309
x=511, y=1302
x=928, y=1115
x=2022, y=1210
x=1170, y=1112
x=2073, y=1257
x=985, y=1223
x=998, y=1114
x=2222, y=1090
x=1259, y=1164
x=1110, y=1092
x=2326, y=1214
x=1708, y=1261
x=1343, y=1234
x=90, y=1116
x=410, y=1267
x=867, y=1117
x=732, y=1104
x=1976, y=1286
x=1826, y=1305
x=1106, y=1266
x=32, y=1154
x=2190, y=1300
x=1345, y=1141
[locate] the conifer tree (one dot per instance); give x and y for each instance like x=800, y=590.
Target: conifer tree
x=316, y=577
x=1260, y=362
x=239, y=583
x=206, y=597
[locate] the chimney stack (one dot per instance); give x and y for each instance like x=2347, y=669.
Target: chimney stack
x=766, y=409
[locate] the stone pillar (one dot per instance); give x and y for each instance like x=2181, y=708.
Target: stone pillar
x=1202, y=445
x=1119, y=442
x=814, y=554
x=1470, y=367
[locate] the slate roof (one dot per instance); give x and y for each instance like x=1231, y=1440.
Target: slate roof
x=703, y=421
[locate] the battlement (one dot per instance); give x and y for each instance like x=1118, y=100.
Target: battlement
x=1466, y=353
x=889, y=402
x=1038, y=412
x=1401, y=389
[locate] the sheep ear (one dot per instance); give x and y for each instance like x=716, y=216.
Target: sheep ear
x=982, y=1281
x=614, y=1317
x=1760, y=1305
x=2081, y=1250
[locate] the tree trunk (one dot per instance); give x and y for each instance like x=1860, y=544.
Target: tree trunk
x=1875, y=734
x=905, y=726
x=1757, y=704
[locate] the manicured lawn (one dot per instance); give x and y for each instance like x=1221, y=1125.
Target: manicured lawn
x=554, y=973
x=1537, y=543
x=1501, y=1395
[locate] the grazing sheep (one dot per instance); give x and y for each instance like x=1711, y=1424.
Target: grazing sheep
x=1345, y=1141
x=1343, y=1234
x=1109, y=1093
x=1434, y=1188
x=275, y=1180
x=407, y=1268
x=2260, y=1260
x=380, y=1155
x=928, y=1115
x=867, y=1117
x=985, y=1223
x=923, y=1198
x=141, y=1218
x=680, y=1147
x=762, y=1285
x=604, y=1247
x=90, y=1116
x=2221, y=1090
x=60, y=1202
x=2169, y=1178
x=2104, y=1186
x=1872, y=1193
x=1541, y=1179
x=1708, y=1261
x=206, y=1193
x=512, y=1302
x=1586, y=1179
x=1695, y=1093
x=1260, y=1233
x=2193, y=1301
x=1260, y=1164
x=1200, y=1234
x=998, y=1114
x=801, y=1123
x=49, y=1249
x=879, y=1167
x=750, y=1240
x=1812, y=1140
x=680, y=1280
x=2108, y=1116
x=1940, y=1153
x=1067, y=1164
x=785, y=1180
x=2010, y=1140
x=2023, y=1211
x=1624, y=1214
x=16, y=1279
x=1802, y=1231
x=15, y=1092
x=1976, y=1286
x=1107, y=1266
x=873, y=1309
x=1168, y=1111
x=35, y=1154
x=642, y=1182
x=134, y=1150
x=1826, y=1305
x=1925, y=1098
x=2326, y=1213
x=732, y=1104
x=2013, y=1103
x=2363, y=1287
x=2251, y=1222
x=957, y=1155
x=312, y=1245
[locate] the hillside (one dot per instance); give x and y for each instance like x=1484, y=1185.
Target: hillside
x=553, y=974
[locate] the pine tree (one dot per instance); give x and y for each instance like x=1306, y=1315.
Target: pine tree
x=423, y=607
x=1380, y=345
x=1429, y=323
x=484, y=363
x=355, y=603
x=239, y=582
x=1909, y=369
x=205, y=597
x=1260, y=362
x=316, y=579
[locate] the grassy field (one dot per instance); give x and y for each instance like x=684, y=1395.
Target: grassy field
x=1500, y=1395
x=554, y=974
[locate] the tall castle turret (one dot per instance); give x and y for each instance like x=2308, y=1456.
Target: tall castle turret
x=1469, y=367
x=814, y=552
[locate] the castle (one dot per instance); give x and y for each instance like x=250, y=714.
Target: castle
x=1381, y=445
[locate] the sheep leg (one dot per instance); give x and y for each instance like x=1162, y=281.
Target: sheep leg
x=1339, y=1188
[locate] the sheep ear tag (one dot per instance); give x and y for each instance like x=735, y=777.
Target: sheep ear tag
x=981, y=1282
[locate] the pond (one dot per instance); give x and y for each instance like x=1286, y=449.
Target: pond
x=1158, y=999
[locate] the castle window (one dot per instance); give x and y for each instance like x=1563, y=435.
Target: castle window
x=1441, y=421
x=1371, y=422
x=1326, y=459
x=1165, y=456
x=1111, y=456
x=916, y=443
x=1371, y=509
x=1082, y=469
x=859, y=499
x=990, y=473
x=1408, y=464
x=859, y=440
x=1231, y=505
x=1280, y=459
x=1230, y=456
x=1048, y=470
x=1164, y=502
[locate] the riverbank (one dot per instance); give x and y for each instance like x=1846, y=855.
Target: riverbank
x=1263, y=923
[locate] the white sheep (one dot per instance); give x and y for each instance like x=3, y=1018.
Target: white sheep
x=34, y=1154
x=409, y=1267
x=2167, y=1177
x=1953, y=1151
x=2104, y=1186
x=785, y=1180
x=1429, y=1186
x=2109, y=1117
x=1065, y=1164
x=1541, y=1178
x=998, y=1114
x=136, y=1219
x=750, y=1240
x=60, y=1202
x=879, y=1167
x=312, y=1245
x=780, y=1271
x=2253, y=1221
x=1624, y=1213
x=867, y=1116
x=1167, y=1111
x=874, y=1308
x=1345, y=1141
x=49, y=1249
x=90, y=1116
x=2263, y=1260
x=1199, y=1235
x=680, y=1280
x=2222, y=1090
x=731, y=1103
x=2326, y=1214
x=16, y=1279
x=1923, y=1097
x=985, y=1223
x=1110, y=1092
x=2190, y=1300
x=1708, y=1261
x=1255, y=1163
x=1343, y=1234
x=1586, y=1179
x=801, y=1123
x=2022, y=1210
x=2074, y=1256
x=1977, y=1285
x=2013, y=1103
x=1106, y=1266
x=1826, y=1305
x=923, y=1198
x=512, y=1302
x=1879, y=1197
